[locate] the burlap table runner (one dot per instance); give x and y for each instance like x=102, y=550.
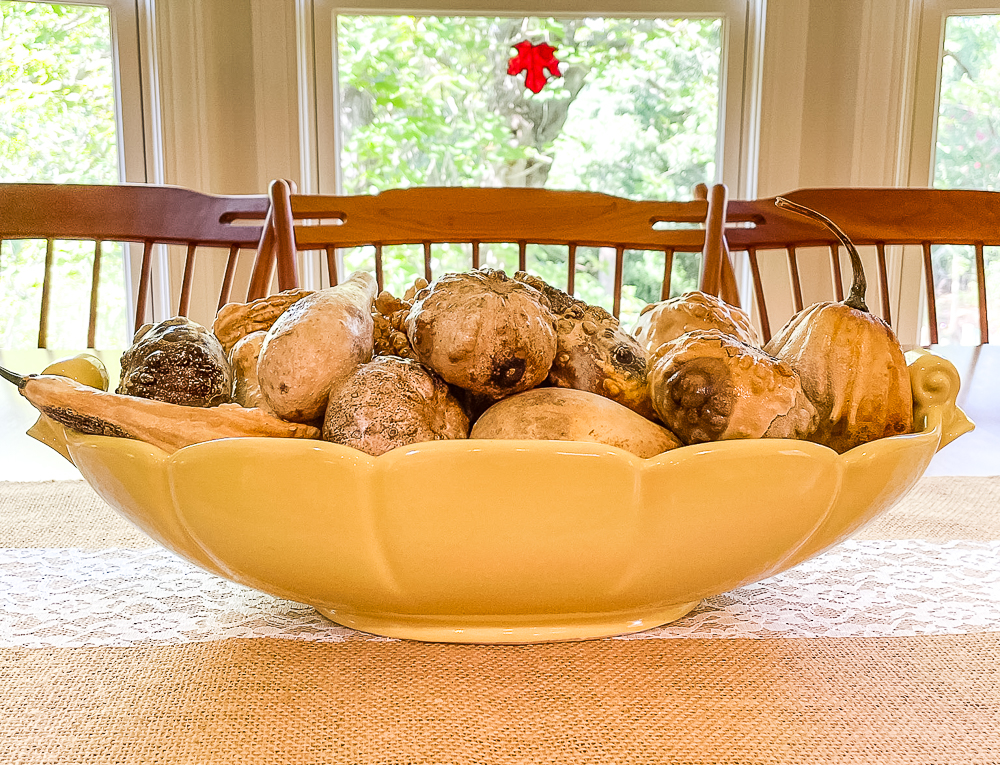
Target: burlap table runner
x=916, y=699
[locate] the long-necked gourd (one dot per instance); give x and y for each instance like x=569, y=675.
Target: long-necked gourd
x=850, y=362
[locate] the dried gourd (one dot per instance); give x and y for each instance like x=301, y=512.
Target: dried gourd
x=483, y=332
x=237, y=320
x=850, y=362
x=243, y=359
x=567, y=414
x=178, y=361
x=708, y=386
x=391, y=402
x=661, y=322
x=168, y=426
x=314, y=346
x=389, y=314
x=593, y=352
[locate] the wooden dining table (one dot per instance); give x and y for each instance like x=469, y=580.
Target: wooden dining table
x=885, y=649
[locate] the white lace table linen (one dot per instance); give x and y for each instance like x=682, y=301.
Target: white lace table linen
x=74, y=598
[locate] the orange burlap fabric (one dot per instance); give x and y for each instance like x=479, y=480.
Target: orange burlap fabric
x=896, y=700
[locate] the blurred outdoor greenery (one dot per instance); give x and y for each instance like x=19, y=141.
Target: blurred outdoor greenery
x=58, y=125
x=428, y=101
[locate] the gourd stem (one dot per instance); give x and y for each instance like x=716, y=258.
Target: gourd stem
x=859, y=285
x=13, y=377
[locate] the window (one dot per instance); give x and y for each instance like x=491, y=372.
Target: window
x=957, y=145
x=649, y=103
x=967, y=156
x=60, y=108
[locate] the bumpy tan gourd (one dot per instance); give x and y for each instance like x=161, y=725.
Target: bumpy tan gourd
x=567, y=414
x=850, y=362
x=391, y=402
x=389, y=314
x=708, y=386
x=178, y=361
x=315, y=345
x=593, y=352
x=243, y=359
x=237, y=320
x=483, y=332
x=661, y=322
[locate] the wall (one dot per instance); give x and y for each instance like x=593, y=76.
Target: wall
x=838, y=80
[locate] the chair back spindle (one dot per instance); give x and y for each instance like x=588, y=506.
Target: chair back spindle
x=877, y=218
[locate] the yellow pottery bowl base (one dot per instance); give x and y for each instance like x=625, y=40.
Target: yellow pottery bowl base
x=506, y=629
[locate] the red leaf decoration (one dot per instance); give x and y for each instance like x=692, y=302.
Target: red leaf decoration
x=534, y=60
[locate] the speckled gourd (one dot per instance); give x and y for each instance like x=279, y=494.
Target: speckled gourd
x=391, y=402
x=177, y=361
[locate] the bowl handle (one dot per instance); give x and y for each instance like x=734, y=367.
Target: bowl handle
x=50, y=433
x=935, y=382
x=85, y=368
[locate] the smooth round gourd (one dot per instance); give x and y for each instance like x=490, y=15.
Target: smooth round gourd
x=391, y=402
x=666, y=320
x=708, y=386
x=853, y=369
x=568, y=414
x=83, y=367
x=483, y=332
x=243, y=359
x=314, y=345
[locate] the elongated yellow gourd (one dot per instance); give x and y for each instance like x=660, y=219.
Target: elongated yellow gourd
x=168, y=426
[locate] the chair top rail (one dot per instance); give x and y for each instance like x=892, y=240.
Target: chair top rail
x=130, y=213
x=869, y=216
x=489, y=215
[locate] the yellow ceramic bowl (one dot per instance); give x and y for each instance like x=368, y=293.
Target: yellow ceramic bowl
x=509, y=541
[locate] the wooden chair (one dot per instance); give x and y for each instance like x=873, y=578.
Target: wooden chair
x=477, y=216
x=872, y=217
x=146, y=215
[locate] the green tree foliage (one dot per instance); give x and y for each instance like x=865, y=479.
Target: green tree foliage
x=57, y=124
x=56, y=94
x=428, y=101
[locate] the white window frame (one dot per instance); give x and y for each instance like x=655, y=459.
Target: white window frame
x=927, y=85
x=740, y=88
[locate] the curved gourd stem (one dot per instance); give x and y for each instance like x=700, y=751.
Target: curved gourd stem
x=13, y=377
x=859, y=285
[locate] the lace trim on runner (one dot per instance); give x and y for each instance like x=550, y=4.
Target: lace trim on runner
x=116, y=597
